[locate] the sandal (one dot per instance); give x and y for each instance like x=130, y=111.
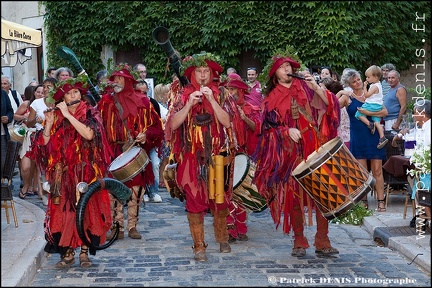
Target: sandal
x=381, y=206
x=30, y=192
x=67, y=259
x=327, y=251
x=84, y=259
x=22, y=195
x=298, y=252
x=365, y=204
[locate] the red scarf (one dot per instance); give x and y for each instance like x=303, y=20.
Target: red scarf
x=130, y=99
x=280, y=97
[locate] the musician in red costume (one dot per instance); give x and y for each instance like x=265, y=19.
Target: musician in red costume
x=72, y=148
x=245, y=124
x=129, y=117
x=298, y=117
x=197, y=129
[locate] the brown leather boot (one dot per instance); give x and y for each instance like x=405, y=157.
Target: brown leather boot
x=221, y=231
x=134, y=234
x=196, y=225
x=112, y=232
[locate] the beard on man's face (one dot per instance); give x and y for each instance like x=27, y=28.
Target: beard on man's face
x=118, y=88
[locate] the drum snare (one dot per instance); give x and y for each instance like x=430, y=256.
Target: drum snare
x=128, y=164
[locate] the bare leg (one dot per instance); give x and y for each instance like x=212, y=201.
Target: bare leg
x=364, y=120
x=376, y=167
x=26, y=175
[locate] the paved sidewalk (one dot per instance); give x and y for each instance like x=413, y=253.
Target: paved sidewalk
x=22, y=247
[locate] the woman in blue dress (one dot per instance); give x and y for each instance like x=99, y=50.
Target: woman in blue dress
x=362, y=142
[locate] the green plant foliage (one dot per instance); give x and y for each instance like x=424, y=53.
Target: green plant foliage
x=339, y=34
x=199, y=60
x=354, y=216
x=287, y=51
x=413, y=96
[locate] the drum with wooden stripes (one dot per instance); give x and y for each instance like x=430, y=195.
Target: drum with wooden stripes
x=244, y=192
x=333, y=178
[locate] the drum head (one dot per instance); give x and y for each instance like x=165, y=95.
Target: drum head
x=317, y=158
x=241, y=166
x=124, y=158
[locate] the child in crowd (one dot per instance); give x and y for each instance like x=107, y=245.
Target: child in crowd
x=373, y=102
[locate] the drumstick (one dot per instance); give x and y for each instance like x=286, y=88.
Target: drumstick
x=133, y=143
x=130, y=147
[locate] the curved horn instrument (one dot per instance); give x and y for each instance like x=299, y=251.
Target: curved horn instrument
x=117, y=189
x=161, y=36
x=67, y=54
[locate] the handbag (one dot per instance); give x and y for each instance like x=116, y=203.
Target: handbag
x=18, y=131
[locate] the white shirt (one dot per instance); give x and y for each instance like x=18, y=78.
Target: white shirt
x=39, y=106
x=423, y=134
x=376, y=98
x=163, y=110
x=14, y=105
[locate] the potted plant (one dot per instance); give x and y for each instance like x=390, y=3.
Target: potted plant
x=421, y=160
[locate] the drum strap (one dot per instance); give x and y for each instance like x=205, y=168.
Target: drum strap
x=120, y=109
x=308, y=117
x=228, y=159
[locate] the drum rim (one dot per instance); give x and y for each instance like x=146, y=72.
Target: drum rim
x=135, y=173
x=245, y=173
x=16, y=136
x=140, y=150
x=314, y=165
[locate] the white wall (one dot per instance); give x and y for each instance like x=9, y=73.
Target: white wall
x=26, y=13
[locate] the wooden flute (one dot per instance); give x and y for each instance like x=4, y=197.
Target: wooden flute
x=297, y=76
x=56, y=108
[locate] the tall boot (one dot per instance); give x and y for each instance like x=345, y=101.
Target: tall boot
x=300, y=241
x=321, y=237
x=297, y=222
x=196, y=225
x=221, y=231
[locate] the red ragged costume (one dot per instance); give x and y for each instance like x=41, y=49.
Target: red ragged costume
x=278, y=155
x=138, y=116
x=193, y=146
x=68, y=159
x=246, y=141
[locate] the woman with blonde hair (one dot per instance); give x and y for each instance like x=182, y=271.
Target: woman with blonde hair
x=161, y=94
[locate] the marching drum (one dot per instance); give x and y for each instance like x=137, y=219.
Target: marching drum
x=244, y=192
x=128, y=164
x=333, y=178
